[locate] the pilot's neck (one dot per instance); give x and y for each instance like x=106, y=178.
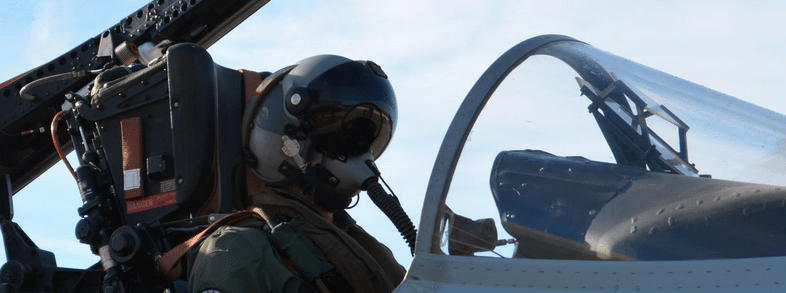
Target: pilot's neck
x=325, y=214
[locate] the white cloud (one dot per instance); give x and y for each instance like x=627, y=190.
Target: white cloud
x=48, y=36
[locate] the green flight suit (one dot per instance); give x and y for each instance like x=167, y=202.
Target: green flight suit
x=244, y=258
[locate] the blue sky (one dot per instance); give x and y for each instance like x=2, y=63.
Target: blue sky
x=433, y=52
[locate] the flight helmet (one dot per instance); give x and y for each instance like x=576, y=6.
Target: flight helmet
x=320, y=124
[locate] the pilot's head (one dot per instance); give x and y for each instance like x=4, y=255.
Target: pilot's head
x=317, y=123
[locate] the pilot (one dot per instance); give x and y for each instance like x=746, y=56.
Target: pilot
x=310, y=132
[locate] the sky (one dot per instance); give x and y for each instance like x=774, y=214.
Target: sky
x=433, y=52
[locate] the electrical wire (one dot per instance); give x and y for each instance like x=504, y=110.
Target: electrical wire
x=10, y=134
x=479, y=248
x=388, y=186
x=356, y=202
x=56, y=142
x=23, y=133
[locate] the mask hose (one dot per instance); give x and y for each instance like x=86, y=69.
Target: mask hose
x=392, y=209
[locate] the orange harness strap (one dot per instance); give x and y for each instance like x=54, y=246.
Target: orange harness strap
x=170, y=263
x=133, y=171
x=251, y=81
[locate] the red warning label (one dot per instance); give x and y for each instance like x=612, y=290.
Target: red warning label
x=151, y=202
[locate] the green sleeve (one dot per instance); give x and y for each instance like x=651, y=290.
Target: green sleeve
x=240, y=259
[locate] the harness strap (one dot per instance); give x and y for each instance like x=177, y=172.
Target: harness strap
x=131, y=134
x=251, y=81
x=352, y=261
x=172, y=267
x=170, y=263
x=214, y=204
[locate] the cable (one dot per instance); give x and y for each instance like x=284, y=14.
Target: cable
x=56, y=142
x=356, y=202
x=476, y=247
x=10, y=134
x=23, y=133
x=388, y=187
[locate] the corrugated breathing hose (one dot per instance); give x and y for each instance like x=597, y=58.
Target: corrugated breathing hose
x=393, y=210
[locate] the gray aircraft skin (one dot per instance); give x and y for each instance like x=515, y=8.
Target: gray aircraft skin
x=647, y=221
